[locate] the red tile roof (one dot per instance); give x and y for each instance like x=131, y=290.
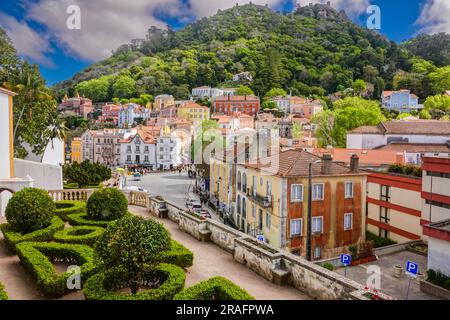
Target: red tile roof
x=366, y=157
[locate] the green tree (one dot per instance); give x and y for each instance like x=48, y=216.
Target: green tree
x=438, y=102
x=96, y=89
x=244, y=90
x=275, y=92
x=269, y=105
x=359, y=87
x=124, y=87
x=440, y=79
x=424, y=114
x=133, y=245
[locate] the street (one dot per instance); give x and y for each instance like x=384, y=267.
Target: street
x=171, y=186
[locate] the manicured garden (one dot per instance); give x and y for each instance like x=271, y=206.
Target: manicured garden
x=111, y=253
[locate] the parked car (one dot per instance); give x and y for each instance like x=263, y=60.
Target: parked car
x=189, y=202
x=196, y=206
x=135, y=188
x=204, y=214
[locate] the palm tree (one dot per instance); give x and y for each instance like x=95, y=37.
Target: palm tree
x=57, y=129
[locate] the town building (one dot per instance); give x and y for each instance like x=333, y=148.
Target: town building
x=429, y=132
x=76, y=106
x=227, y=105
x=110, y=114
x=192, y=111
x=168, y=112
x=138, y=150
x=168, y=150
x=414, y=152
x=402, y=101
x=163, y=101
x=131, y=114
x=308, y=109
x=273, y=202
x=76, y=152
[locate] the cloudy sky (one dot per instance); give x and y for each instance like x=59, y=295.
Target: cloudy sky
x=39, y=32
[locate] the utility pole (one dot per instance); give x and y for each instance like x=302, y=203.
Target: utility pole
x=309, y=220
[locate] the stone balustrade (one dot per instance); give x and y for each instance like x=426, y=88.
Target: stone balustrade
x=71, y=194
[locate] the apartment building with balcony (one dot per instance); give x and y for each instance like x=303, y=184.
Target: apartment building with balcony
x=168, y=150
x=273, y=202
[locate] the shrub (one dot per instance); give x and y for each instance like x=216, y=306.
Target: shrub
x=81, y=219
x=217, y=288
x=12, y=238
x=328, y=266
x=106, y=205
x=179, y=255
x=439, y=279
x=379, y=241
x=37, y=258
x=86, y=235
x=103, y=285
x=29, y=210
x=66, y=207
x=132, y=244
x=86, y=174
x=3, y=295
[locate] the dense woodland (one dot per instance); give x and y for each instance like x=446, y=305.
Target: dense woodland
x=312, y=52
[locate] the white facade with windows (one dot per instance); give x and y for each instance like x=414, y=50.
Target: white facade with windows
x=137, y=152
x=168, y=152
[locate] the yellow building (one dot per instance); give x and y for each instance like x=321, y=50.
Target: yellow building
x=192, y=111
x=274, y=204
x=77, y=150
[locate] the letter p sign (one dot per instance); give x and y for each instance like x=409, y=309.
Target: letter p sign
x=412, y=268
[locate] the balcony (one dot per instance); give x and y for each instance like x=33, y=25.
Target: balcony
x=263, y=201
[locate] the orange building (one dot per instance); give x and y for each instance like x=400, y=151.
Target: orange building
x=229, y=104
x=77, y=150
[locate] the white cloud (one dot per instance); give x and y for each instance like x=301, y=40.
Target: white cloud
x=205, y=8
x=435, y=16
x=105, y=24
x=28, y=43
x=352, y=7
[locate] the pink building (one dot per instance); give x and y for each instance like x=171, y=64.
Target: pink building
x=110, y=113
x=168, y=112
x=307, y=109
x=76, y=106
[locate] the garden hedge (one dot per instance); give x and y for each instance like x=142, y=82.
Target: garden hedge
x=86, y=235
x=3, y=295
x=12, y=238
x=179, y=255
x=102, y=285
x=29, y=210
x=217, y=288
x=81, y=219
x=66, y=207
x=37, y=258
x=107, y=204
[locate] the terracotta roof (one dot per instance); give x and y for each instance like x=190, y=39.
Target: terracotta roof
x=366, y=157
x=424, y=127
x=192, y=105
x=415, y=147
x=295, y=163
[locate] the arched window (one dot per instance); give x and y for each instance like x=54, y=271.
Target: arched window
x=238, y=204
x=239, y=181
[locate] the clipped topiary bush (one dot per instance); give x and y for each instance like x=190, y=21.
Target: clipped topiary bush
x=179, y=255
x=132, y=245
x=106, y=205
x=30, y=209
x=86, y=235
x=217, y=288
x=12, y=238
x=3, y=295
x=66, y=207
x=37, y=258
x=160, y=283
x=82, y=219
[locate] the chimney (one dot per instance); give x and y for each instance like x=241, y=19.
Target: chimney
x=327, y=160
x=400, y=158
x=354, y=163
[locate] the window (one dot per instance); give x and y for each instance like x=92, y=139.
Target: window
x=253, y=211
x=317, y=191
x=268, y=220
x=317, y=252
x=384, y=215
x=128, y=158
x=348, y=221
x=296, y=193
x=385, y=193
x=348, y=190
x=296, y=227
x=317, y=224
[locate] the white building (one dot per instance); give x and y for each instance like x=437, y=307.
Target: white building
x=415, y=132
x=130, y=113
x=138, y=150
x=168, y=150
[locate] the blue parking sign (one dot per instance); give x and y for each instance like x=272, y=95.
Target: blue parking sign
x=412, y=268
x=260, y=238
x=346, y=259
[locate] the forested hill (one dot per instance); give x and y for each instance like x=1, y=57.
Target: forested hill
x=313, y=51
